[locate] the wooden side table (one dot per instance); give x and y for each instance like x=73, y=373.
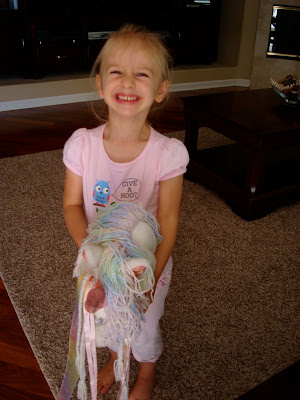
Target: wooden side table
x=262, y=169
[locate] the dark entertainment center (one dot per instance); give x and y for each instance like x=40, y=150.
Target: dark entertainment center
x=38, y=37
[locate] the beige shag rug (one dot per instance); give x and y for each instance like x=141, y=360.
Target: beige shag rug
x=232, y=314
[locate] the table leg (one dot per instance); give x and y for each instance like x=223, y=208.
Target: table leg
x=191, y=136
x=255, y=173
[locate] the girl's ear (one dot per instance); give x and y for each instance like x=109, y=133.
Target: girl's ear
x=162, y=91
x=99, y=85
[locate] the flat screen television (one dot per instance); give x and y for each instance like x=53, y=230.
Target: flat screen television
x=284, y=33
x=9, y=4
x=96, y=5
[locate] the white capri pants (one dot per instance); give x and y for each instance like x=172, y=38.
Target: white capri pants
x=148, y=346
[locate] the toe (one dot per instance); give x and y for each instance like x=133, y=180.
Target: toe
x=104, y=389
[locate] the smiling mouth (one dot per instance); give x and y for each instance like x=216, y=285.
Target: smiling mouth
x=127, y=98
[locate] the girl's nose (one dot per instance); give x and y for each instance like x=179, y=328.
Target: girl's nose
x=128, y=81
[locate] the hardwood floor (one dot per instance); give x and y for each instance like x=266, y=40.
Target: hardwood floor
x=47, y=128
x=20, y=374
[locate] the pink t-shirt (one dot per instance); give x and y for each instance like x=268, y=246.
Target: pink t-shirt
x=105, y=181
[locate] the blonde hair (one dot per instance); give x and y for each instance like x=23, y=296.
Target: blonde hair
x=151, y=42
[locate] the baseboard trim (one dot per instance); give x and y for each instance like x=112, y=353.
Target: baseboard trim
x=83, y=97
x=209, y=84
x=47, y=101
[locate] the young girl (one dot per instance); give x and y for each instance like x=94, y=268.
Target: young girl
x=126, y=160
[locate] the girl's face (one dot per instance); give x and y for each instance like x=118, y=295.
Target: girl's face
x=129, y=83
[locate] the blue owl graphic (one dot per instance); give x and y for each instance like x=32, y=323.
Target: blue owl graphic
x=101, y=193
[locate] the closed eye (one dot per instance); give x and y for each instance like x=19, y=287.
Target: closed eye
x=142, y=74
x=116, y=72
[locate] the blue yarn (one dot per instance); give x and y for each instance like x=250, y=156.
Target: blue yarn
x=125, y=293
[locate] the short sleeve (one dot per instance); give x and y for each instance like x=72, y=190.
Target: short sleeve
x=73, y=152
x=173, y=160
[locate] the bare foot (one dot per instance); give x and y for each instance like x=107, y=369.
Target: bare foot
x=144, y=385
x=106, y=376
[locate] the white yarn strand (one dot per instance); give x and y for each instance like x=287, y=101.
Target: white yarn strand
x=80, y=344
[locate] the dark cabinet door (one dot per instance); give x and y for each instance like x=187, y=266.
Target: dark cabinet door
x=198, y=30
x=11, y=42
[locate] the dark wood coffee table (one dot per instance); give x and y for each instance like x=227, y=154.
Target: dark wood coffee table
x=262, y=169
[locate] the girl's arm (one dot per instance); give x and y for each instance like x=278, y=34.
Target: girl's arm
x=170, y=192
x=73, y=207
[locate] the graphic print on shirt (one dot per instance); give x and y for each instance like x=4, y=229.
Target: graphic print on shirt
x=101, y=193
x=128, y=190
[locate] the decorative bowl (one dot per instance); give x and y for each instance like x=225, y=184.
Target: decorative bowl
x=289, y=89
